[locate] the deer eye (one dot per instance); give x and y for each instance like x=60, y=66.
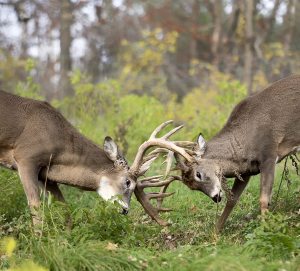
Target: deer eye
x=128, y=183
x=198, y=174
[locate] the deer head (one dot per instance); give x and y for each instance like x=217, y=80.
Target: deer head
x=116, y=181
x=201, y=174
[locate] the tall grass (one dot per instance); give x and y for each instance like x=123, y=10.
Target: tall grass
x=102, y=239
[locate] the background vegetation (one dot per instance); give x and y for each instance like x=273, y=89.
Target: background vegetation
x=120, y=68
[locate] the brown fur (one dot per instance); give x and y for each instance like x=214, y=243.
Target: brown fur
x=260, y=132
x=33, y=131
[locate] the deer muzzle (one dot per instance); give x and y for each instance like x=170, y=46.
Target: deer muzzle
x=217, y=198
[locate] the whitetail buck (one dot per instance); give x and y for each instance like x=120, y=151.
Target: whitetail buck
x=261, y=130
x=46, y=150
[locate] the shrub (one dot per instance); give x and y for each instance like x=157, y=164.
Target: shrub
x=271, y=238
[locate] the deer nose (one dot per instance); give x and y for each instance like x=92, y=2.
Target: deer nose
x=124, y=211
x=217, y=198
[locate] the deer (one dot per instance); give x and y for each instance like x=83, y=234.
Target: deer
x=46, y=150
x=260, y=132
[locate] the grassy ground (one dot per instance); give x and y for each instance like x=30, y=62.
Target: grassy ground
x=101, y=239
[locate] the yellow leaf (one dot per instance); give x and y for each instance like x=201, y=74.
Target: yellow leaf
x=28, y=266
x=9, y=246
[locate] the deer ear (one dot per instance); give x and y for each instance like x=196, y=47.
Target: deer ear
x=110, y=149
x=201, y=145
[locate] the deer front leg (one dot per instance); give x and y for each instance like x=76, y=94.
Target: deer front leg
x=29, y=178
x=53, y=188
x=237, y=189
x=266, y=184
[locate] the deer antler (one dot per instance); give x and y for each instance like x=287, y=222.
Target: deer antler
x=141, y=164
x=144, y=198
x=162, y=142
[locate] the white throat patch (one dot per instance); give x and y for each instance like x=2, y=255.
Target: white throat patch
x=105, y=190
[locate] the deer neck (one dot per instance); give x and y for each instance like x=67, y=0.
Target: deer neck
x=228, y=152
x=81, y=164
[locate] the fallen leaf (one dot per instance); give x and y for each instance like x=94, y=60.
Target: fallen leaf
x=111, y=246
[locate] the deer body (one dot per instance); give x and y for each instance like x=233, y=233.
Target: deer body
x=247, y=142
x=260, y=132
x=46, y=150
x=262, y=127
x=38, y=142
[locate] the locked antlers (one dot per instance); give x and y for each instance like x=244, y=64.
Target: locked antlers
x=142, y=163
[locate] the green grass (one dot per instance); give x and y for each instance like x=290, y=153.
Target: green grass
x=101, y=239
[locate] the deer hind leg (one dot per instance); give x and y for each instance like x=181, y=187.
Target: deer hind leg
x=237, y=189
x=29, y=177
x=266, y=184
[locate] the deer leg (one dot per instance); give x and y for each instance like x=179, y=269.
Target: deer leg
x=266, y=184
x=53, y=188
x=237, y=189
x=29, y=178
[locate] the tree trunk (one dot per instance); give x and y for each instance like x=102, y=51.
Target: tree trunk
x=229, y=41
x=294, y=24
x=289, y=24
x=272, y=19
x=216, y=35
x=23, y=19
x=194, y=31
x=66, y=18
x=248, y=64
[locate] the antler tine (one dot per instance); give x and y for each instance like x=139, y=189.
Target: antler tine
x=144, y=198
x=169, y=161
x=159, y=195
x=173, y=131
x=150, y=157
x=185, y=144
x=157, y=142
x=156, y=183
x=188, y=146
x=151, y=177
x=164, y=189
x=158, y=150
x=190, y=152
x=159, y=128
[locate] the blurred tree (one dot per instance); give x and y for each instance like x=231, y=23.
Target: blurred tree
x=255, y=41
x=216, y=9
x=66, y=20
x=248, y=62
